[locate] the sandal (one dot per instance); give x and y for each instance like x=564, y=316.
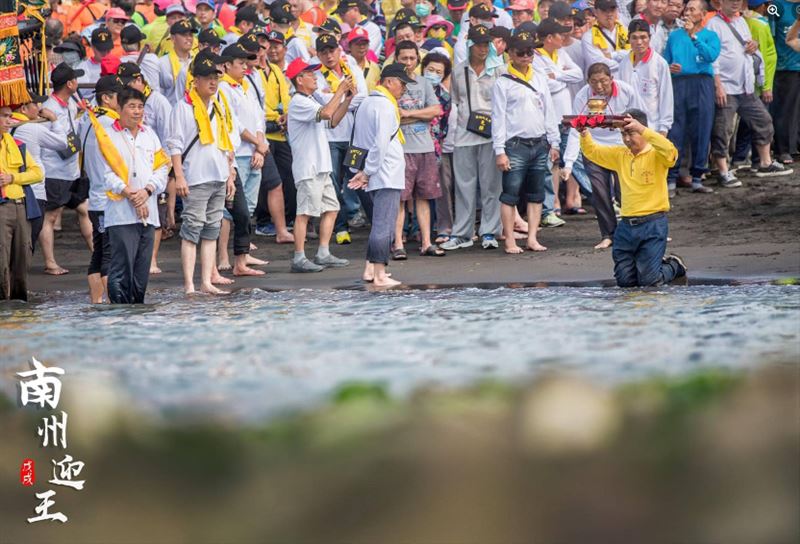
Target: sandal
x=574, y=211
x=399, y=254
x=432, y=251
x=442, y=238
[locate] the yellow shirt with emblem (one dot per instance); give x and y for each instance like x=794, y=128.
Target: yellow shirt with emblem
x=276, y=93
x=642, y=177
x=11, y=162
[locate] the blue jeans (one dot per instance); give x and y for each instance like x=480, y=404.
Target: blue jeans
x=251, y=181
x=349, y=202
x=638, y=253
x=526, y=178
x=693, y=122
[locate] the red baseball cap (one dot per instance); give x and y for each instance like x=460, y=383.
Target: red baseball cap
x=522, y=5
x=116, y=13
x=358, y=33
x=299, y=65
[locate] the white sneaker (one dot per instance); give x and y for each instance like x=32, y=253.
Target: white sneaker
x=728, y=180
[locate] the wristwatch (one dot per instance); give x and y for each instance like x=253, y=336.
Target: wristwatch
x=149, y=191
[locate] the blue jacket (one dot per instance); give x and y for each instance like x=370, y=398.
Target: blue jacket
x=694, y=55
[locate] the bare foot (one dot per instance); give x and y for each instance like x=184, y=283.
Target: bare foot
x=521, y=227
x=55, y=270
x=252, y=261
x=605, y=243
x=188, y=288
x=224, y=266
x=520, y=235
x=385, y=281
x=154, y=269
x=247, y=271
x=369, y=278
x=513, y=249
x=253, y=247
x=216, y=279
x=211, y=290
x=287, y=238
x=536, y=246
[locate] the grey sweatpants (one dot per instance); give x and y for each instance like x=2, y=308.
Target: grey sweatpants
x=385, y=206
x=129, y=268
x=474, y=167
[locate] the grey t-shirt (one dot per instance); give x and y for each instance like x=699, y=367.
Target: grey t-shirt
x=418, y=95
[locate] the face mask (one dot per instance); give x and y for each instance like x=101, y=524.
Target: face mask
x=440, y=34
x=423, y=10
x=487, y=24
x=72, y=58
x=435, y=79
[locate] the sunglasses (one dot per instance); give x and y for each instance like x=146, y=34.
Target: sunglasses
x=119, y=21
x=438, y=27
x=524, y=52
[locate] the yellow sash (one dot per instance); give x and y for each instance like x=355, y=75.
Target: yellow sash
x=600, y=41
x=233, y=83
x=12, y=156
x=385, y=92
x=203, y=120
x=174, y=64
x=331, y=78
x=516, y=73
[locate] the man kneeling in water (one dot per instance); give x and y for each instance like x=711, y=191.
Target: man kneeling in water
x=640, y=239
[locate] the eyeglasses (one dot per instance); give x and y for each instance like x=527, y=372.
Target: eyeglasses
x=524, y=52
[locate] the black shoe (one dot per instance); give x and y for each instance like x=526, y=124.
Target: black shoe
x=671, y=258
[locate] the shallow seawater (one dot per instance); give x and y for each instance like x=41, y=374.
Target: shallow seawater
x=257, y=353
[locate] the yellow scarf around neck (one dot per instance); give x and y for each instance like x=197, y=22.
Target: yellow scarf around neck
x=12, y=156
x=174, y=64
x=100, y=111
x=233, y=83
x=553, y=57
x=526, y=77
x=385, y=92
x=203, y=120
x=600, y=41
x=17, y=116
x=332, y=79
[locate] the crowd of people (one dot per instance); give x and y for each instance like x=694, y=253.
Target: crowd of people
x=432, y=121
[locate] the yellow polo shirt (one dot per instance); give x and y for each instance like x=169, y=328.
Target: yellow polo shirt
x=642, y=177
x=276, y=93
x=11, y=162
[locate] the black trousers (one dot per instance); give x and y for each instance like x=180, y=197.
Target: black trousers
x=604, y=186
x=129, y=268
x=283, y=158
x=785, y=109
x=241, y=220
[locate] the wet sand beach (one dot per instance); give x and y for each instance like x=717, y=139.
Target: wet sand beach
x=733, y=234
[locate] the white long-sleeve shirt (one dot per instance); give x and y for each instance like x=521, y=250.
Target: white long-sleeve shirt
x=296, y=48
x=518, y=111
x=733, y=65
x=91, y=73
x=204, y=162
x=564, y=72
x=167, y=82
x=56, y=167
x=138, y=153
x=576, y=55
x=249, y=114
x=148, y=66
x=94, y=164
x=623, y=97
x=376, y=130
x=157, y=110
x=38, y=136
x=323, y=95
x=651, y=78
x=592, y=54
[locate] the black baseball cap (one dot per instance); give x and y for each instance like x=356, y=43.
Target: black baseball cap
x=500, y=32
x=247, y=13
x=560, y=10
x=205, y=64
x=281, y=12
x=210, y=37
x=482, y=12
x=102, y=40
x=131, y=34
x=521, y=40
x=479, y=34
x=108, y=84
x=237, y=51
x=344, y=5
x=128, y=71
x=406, y=16
x=326, y=41
x=276, y=37
x=63, y=73
x=329, y=25
x=528, y=26
x=70, y=45
x=250, y=42
x=551, y=26
x=605, y=5
x=397, y=70
x=182, y=27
